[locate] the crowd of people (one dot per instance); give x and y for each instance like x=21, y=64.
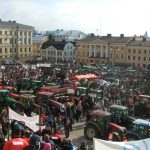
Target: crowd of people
x=15, y=135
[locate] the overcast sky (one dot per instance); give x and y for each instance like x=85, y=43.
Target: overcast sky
x=90, y=16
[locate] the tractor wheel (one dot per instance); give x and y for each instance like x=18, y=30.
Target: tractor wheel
x=91, y=131
x=131, y=137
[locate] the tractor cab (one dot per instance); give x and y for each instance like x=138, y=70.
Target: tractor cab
x=36, y=84
x=4, y=93
x=81, y=91
x=28, y=100
x=24, y=84
x=142, y=105
x=119, y=113
x=44, y=97
x=139, y=130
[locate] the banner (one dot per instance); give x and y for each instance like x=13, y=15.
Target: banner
x=131, y=145
x=29, y=121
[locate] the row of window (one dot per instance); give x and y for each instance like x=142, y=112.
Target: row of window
x=14, y=41
x=25, y=33
x=9, y=50
x=138, y=58
x=58, y=53
x=139, y=51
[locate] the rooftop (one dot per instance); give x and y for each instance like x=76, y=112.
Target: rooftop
x=13, y=24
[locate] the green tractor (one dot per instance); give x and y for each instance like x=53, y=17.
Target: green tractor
x=6, y=100
x=100, y=126
x=81, y=91
x=119, y=114
x=28, y=84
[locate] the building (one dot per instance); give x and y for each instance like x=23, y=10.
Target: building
x=37, y=42
x=117, y=48
x=58, y=51
x=103, y=50
x=71, y=35
x=138, y=52
x=15, y=41
x=92, y=49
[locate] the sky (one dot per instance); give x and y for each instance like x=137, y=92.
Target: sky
x=128, y=17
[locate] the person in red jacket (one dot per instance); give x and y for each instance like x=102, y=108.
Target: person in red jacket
x=17, y=143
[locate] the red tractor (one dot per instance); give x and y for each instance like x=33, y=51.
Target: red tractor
x=100, y=126
x=142, y=105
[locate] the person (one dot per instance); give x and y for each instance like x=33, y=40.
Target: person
x=47, y=145
x=16, y=143
x=83, y=146
x=2, y=140
x=35, y=142
x=47, y=130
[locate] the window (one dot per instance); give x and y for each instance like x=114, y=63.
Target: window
x=133, y=57
x=139, y=58
x=20, y=33
x=29, y=49
x=14, y=49
x=10, y=50
x=25, y=41
x=149, y=58
x=139, y=51
x=5, y=50
x=129, y=50
x=25, y=33
x=71, y=53
x=5, y=32
x=25, y=49
x=144, y=58
x=128, y=57
x=144, y=65
x=0, y=32
x=121, y=56
x=134, y=51
x=0, y=41
x=0, y=50
x=145, y=51
x=21, y=50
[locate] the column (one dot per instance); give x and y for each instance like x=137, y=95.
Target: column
x=101, y=51
x=95, y=50
x=106, y=51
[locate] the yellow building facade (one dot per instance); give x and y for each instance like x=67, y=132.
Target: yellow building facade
x=102, y=50
x=92, y=50
x=15, y=41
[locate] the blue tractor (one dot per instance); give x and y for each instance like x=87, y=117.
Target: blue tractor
x=140, y=129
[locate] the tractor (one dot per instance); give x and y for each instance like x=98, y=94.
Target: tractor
x=100, y=126
x=140, y=129
x=142, y=105
x=28, y=84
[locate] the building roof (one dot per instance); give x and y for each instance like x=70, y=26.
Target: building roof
x=13, y=24
x=70, y=35
x=56, y=44
x=118, y=39
x=139, y=43
x=38, y=37
x=108, y=39
x=89, y=38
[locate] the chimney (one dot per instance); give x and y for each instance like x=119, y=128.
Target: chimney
x=0, y=20
x=121, y=35
x=14, y=21
x=144, y=39
x=109, y=35
x=9, y=21
x=92, y=34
